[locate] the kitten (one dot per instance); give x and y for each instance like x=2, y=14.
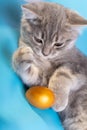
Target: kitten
x=47, y=56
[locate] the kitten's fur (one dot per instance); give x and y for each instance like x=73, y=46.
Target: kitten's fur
x=47, y=56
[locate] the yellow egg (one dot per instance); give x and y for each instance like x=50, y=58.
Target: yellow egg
x=40, y=97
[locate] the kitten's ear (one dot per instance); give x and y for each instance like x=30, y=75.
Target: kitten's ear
x=31, y=15
x=75, y=19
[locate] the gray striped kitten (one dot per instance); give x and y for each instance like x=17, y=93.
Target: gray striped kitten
x=47, y=56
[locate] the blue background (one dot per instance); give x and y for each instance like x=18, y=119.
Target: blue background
x=15, y=112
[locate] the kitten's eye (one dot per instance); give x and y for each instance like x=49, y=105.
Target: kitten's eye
x=58, y=45
x=69, y=40
x=38, y=40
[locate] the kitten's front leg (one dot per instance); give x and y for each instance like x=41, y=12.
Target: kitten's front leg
x=23, y=64
x=61, y=82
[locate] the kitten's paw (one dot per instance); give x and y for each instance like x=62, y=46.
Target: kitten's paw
x=61, y=95
x=22, y=58
x=60, y=103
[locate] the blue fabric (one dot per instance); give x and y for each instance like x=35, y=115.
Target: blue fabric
x=15, y=112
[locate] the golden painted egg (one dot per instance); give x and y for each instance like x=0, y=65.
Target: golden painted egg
x=40, y=97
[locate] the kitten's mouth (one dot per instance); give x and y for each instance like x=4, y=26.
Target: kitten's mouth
x=48, y=57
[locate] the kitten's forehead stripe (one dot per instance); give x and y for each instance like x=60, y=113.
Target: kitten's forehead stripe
x=53, y=22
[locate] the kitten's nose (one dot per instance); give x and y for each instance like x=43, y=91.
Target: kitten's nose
x=46, y=51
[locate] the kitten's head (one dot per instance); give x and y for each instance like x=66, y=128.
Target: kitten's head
x=50, y=29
